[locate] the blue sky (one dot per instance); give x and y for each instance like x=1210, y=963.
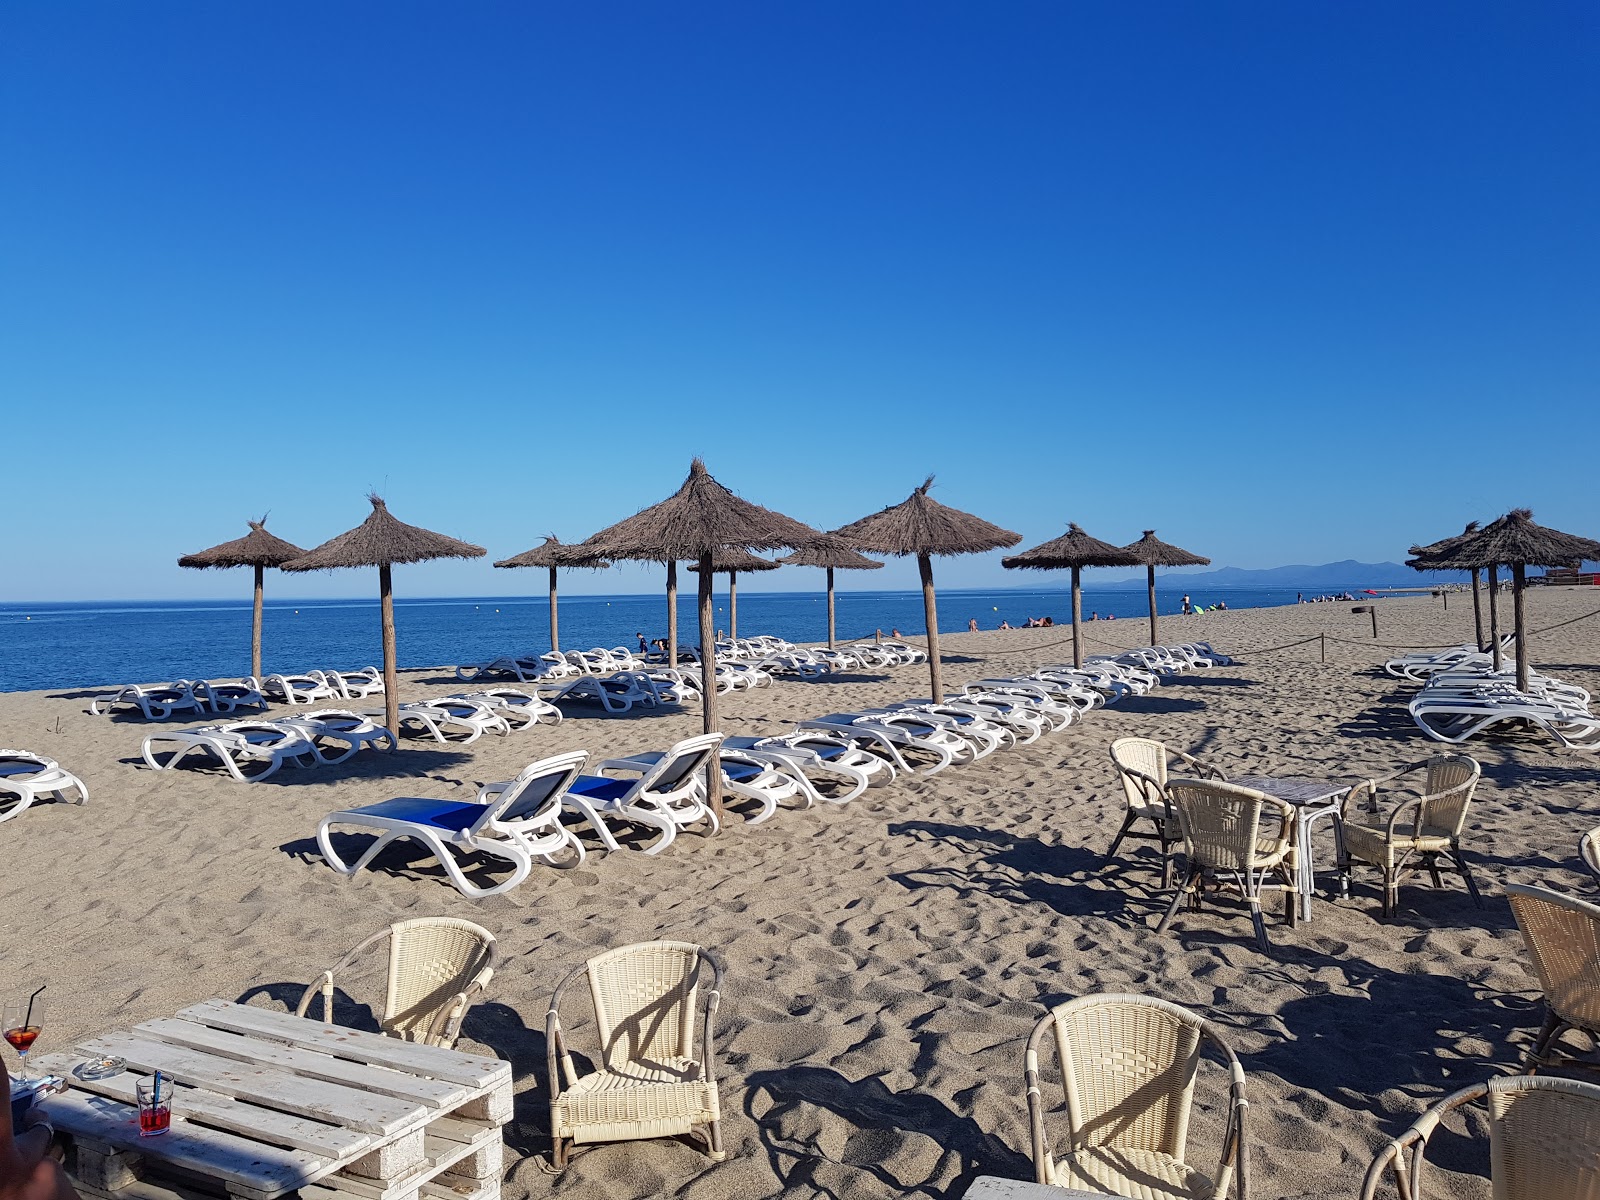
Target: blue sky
x=1287, y=282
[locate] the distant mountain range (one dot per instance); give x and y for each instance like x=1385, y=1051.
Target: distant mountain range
x=1325, y=577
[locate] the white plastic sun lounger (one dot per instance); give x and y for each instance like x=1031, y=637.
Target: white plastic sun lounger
x=1024, y=722
x=523, y=670
x=521, y=710
x=1031, y=693
x=815, y=758
x=1456, y=717
x=155, y=703
x=296, y=689
x=223, y=698
x=336, y=725
x=248, y=750
x=1546, y=687
x=745, y=776
x=984, y=736
x=516, y=822
x=354, y=685
x=893, y=737
x=614, y=693
x=27, y=776
x=447, y=718
x=667, y=793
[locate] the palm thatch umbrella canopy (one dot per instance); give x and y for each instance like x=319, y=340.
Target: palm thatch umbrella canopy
x=553, y=554
x=1074, y=549
x=258, y=549
x=1153, y=553
x=730, y=563
x=382, y=541
x=1450, y=543
x=1514, y=539
x=701, y=521
x=920, y=525
x=834, y=555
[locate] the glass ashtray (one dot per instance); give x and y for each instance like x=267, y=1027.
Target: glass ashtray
x=100, y=1068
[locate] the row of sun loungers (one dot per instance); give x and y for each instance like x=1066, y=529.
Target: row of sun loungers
x=1462, y=701
x=250, y=751
x=219, y=698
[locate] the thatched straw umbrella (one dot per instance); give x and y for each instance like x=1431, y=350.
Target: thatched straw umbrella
x=730, y=563
x=1153, y=553
x=1074, y=549
x=833, y=556
x=381, y=541
x=258, y=549
x=1517, y=541
x=552, y=553
x=1451, y=543
x=920, y=525
x=699, y=521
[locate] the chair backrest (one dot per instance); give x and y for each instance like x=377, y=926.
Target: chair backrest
x=1448, y=789
x=1589, y=851
x=1134, y=757
x=645, y=1001
x=1128, y=1065
x=1563, y=939
x=1221, y=821
x=431, y=961
x=680, y=763
x=535, y=795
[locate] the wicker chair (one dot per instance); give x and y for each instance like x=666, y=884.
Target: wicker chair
x=1589, y=851
x=648, y=1082
x=1563, y=939
x=1542, y=1137
x=1141, y=764
x=1128, y=1067
x=1433, y=826
x=1224, y=842
x=438, y=968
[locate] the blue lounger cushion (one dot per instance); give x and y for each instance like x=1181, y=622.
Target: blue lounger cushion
x=741, y=771
x=449, y=815
x=597, y=787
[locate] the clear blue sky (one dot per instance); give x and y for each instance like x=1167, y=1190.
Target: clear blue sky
x=1290, y=282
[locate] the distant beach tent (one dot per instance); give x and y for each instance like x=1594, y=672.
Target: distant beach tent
x=1153, y=552
x=554, y=555
x=1516, y=541
x=1074, y=549
x=699, y=522
x=382, y=541
x=258, y=549
x=1449, y=543
x=730, y=563
x=833, y=555
x=920, y=525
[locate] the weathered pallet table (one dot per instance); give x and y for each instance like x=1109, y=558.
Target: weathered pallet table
x=266, y=1104
x=991, y=1187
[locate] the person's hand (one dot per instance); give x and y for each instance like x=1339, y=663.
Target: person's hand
x=28, y=1176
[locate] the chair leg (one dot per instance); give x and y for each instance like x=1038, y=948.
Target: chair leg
x=1127, y=824
x=1391, y=890
x=1252, y=891
x=1166, y=859
x=717, y=1153
x=561, y=1151
x=1538, y=1053
x=1432, y=861
x=1472, y=884
x=1177, y=898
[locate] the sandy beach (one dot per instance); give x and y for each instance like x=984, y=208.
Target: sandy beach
x=886, y=960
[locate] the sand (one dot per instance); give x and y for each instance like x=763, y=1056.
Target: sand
x=884, y=961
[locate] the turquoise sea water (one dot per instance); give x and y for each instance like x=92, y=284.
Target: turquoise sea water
x=69, y=645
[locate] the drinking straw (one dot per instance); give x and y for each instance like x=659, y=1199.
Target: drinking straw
x=155, y=1100
x=27, y=1020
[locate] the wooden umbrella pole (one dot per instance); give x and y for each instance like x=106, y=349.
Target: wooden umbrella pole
x=1150, y=577
x=930, y=609
x=555, y=635
x=1477, y=607
x=1077, y=618
x=830, y=609
x=1518, y=578
x=255, y=628
x=391, y=680
x=708, y=684
x=1494, y=616
x=672, y=613
x=733, y=604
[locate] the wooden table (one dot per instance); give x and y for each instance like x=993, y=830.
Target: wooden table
x=265, y=1103
x=991, y=1187
x=1313, y=799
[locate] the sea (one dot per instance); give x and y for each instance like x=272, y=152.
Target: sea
x=107, y=643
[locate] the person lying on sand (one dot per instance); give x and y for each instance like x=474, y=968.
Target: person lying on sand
x=1005, y=624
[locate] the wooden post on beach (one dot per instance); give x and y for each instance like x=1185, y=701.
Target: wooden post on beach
x=1373, y=609
x=1324, y=639
x=1494, y=617
x=255, y=628
x=1477, y=609
x=1077, y=618
x=391, y=678
x=708, y=681
x=1150, y=579
x=1518, y=578
x=672, y=614
x=555, y=636
x=830, y=608
x=733, y=604
x=930, y=610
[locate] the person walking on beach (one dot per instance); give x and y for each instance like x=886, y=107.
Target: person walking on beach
x=972, y=625
x=1188, y=606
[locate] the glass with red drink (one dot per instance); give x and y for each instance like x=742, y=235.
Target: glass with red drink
x=155, y=1105
x=24, y=1016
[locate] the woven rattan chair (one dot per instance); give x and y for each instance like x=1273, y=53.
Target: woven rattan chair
x=1128, y=1067
x=1224, y=841
x=1418, y=831
x=438, y=968
x=1563, y=939
x=1589, y=851
x=648, y=1081
x=1543, y=1134
x=1141, y=765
